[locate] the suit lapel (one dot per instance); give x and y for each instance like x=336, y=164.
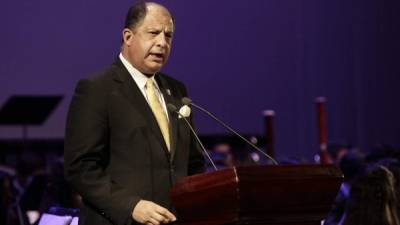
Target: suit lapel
x=173, y=118
x=132, y=92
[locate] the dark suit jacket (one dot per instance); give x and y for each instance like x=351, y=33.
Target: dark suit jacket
x=115, y=154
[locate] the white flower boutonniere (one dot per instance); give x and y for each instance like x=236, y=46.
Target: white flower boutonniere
x=184, y=111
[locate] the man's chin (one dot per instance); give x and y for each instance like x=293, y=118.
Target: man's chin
x=154, y=68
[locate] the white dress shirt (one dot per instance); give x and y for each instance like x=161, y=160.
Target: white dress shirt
x=141, y=79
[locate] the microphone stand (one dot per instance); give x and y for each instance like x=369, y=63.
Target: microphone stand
x=174, y=109
x=187, y=101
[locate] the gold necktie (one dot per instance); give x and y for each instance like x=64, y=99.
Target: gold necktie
x=158, y=111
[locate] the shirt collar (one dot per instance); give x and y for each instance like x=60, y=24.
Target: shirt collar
x=139, y=77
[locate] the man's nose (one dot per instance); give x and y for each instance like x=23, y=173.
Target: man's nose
x=162, y=40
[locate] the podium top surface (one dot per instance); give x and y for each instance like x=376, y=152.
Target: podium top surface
x=28, y=110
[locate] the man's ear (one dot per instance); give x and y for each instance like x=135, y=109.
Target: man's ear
x=127, y=36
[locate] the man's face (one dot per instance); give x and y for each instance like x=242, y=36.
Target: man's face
x=147, y=47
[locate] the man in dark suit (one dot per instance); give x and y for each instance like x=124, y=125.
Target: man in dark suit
x=123, y=149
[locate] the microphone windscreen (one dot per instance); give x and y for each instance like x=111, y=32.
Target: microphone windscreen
x=186, y=101
x=171, y=107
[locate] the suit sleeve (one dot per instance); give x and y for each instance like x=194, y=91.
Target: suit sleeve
x=86, y=155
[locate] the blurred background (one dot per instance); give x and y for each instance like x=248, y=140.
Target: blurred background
x=237, y=58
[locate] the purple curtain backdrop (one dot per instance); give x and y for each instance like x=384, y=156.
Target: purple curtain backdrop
x=237, y=58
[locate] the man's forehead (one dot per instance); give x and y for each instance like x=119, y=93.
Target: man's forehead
x=158, y=10
x=151, y=6
x=158, y=21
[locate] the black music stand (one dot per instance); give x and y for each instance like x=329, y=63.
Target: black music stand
x=27, y=110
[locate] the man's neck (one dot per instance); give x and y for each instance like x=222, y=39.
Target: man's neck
x=148, y=75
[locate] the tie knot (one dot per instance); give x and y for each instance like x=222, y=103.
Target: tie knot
x=149, y=83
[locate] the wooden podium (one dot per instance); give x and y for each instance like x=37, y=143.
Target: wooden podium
x=262, y=195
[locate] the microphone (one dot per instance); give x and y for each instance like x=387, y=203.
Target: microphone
x=173, y=108
x=188, y=101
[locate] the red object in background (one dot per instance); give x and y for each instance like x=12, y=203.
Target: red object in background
x=269, y=132
x=324, y=157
